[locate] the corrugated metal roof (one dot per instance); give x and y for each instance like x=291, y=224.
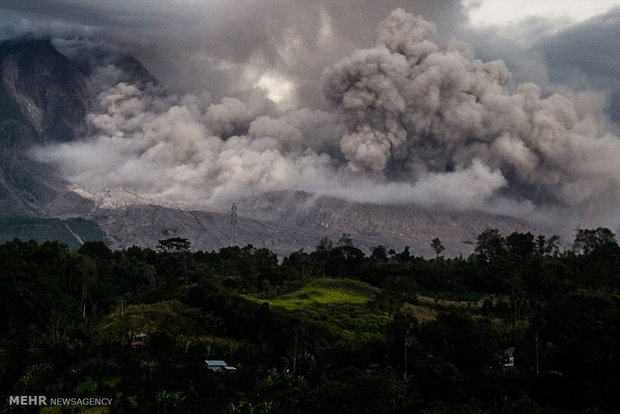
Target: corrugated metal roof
x=215, y=362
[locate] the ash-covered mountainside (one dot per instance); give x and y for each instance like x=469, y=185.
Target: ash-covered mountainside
x=367, y=224
x=42, y=91
x=284, y=222
x=43, y=98
x=46, y=97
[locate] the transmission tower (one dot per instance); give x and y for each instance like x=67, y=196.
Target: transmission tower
x=233, y=222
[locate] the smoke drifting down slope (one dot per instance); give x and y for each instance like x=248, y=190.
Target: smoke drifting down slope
x=413, y=120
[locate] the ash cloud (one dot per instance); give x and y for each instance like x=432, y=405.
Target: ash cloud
x=412, y=119
x=413, y=106
x=182, y=147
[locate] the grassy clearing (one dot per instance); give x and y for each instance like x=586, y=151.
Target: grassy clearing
x=169, y=316
x=323, y=291
x=445, y=303
x=428, y=307
x=423, y=314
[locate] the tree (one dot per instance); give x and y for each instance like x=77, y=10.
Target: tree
x=83, y=270
x=379, y=253
x=405, y=255
x=324, y=245
x=437, y=247
x=344, y=261
x=298, y=261
x=583, y=327
x=95, y=250
x=345, y=240
x=546, y=247
x=521, y=244
x=179, y=249
x=490, y=244
x=588, y=241
x=174, y=245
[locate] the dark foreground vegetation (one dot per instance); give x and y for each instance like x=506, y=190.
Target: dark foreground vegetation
x=331, y=331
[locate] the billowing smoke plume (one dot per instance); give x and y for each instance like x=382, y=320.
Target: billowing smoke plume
x=414, y=120
x=412, y=106
x=168, y=147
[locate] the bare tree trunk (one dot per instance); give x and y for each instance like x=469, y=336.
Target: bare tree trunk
x=295, y=354
x=406, y=353
x=84, y=296
x=537, y=367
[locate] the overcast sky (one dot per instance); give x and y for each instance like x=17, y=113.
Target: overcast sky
x=353, y=98
x=282, y=46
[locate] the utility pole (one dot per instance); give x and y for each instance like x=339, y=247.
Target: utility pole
x=121, y=319
x=406, y=352
x=233, y=222
x=295, y=354
x=537, y=366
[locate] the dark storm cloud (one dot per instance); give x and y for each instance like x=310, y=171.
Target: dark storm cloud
x=212, y=45
x=587, y=53
x=591, y=47
x=554, y=54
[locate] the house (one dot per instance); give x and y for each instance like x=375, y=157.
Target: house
x=218, y=366
x=138, y=340
x=373, y=368
x=509, y=357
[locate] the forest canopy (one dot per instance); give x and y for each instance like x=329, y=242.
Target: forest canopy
x=519, y=326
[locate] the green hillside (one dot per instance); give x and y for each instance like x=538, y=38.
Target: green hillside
x=323, y=291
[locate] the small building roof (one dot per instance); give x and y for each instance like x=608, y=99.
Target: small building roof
x=217, y=365
x=215, y=362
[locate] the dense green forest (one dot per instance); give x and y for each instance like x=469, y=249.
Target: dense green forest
x=327, y=331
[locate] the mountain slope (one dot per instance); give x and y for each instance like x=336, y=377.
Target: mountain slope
x=45, y=97
x=45, y=89
x=284, y=222
x=394, y=226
